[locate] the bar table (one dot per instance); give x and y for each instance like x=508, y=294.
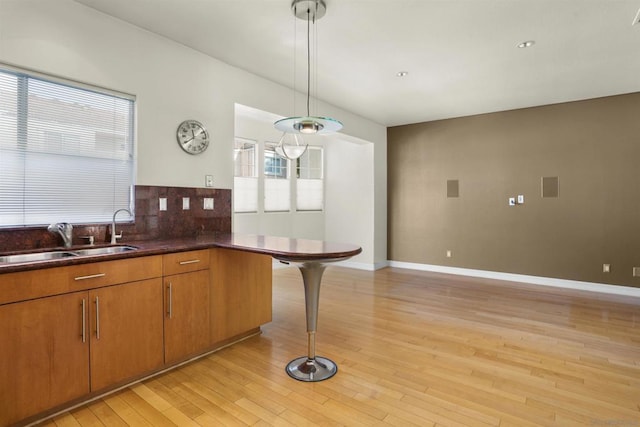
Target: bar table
x=311, y=257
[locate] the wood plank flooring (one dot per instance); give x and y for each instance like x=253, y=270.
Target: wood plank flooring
x=413, y=348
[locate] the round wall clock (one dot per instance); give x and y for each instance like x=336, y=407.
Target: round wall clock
x=192, y=137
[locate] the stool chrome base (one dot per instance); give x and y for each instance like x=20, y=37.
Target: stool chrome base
x=311, y=370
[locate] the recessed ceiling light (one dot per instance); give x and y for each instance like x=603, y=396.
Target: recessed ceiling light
x=402, y=73
x=528, y=43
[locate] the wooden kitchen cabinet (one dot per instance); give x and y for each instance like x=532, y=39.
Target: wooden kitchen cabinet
x=43, y=359
x=75, y=331
x=49, y=354
x=126, y=332
x=186, y=327
x=240, y=292
x=186, y=305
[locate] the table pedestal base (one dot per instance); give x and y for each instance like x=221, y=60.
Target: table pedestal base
x=311, y=370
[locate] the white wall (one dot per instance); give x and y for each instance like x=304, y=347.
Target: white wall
x=350, y=197
x=172, y=83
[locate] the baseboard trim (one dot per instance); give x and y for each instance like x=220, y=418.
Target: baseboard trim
x=536, y=280
x=511, y=277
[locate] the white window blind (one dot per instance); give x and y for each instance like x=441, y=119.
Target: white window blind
x=277, y=188
x=245, y=182
x=66, y=152
x=309, y=183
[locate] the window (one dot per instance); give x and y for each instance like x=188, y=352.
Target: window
x=309, y=183
x=66, y=151
x=274, y=183
x=274, y=165
x=245, y=182
x=277, y=191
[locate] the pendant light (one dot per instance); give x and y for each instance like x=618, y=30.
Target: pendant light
x=291, y=145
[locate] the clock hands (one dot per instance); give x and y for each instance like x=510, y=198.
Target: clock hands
x=186, y=141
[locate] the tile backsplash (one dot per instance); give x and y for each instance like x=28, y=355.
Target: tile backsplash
x=180, y=219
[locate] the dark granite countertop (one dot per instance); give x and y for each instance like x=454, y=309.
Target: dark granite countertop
x=281, y=248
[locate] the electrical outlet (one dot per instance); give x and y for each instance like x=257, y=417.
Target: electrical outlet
x=636, y=271
x=606, y=268
x=208, y=180
x=520, y=199
x=208, y=204
x=163, y=203
x=448, y=254
x=185, y=203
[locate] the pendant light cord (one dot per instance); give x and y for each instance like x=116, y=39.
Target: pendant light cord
x=308, y=59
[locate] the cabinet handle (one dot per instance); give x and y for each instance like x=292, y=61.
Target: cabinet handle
x=191, y=261
x=91, y=276
x=170, y=301
x=97, y=318
x=84, y=320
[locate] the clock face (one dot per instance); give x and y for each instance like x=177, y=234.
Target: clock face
x=192, y=137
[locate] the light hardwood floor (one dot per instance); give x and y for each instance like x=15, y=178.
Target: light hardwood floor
x=413, y=348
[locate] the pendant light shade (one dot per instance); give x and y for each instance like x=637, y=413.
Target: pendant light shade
x=310, y=11
x=291, y=146
x=308, y=124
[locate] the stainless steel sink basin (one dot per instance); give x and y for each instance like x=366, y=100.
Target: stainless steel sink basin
x=51, y=255
x=36, y=256
x=105, y=250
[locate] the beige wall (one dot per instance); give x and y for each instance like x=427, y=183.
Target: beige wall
x=593, y=147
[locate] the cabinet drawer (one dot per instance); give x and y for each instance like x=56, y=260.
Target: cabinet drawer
x=98, y=274
x=183, y=262
x=33, y=284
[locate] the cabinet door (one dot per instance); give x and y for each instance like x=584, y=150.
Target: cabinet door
x=187, y=308
x=43, y=359
x=240, y=292
x=126, y=332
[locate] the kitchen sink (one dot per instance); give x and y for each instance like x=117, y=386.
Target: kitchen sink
x=51, y=255
x=36, y=256
x=107, y=250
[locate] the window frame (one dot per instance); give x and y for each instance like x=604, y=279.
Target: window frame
x=255, y=175
x=299, y=179
x=282, y=178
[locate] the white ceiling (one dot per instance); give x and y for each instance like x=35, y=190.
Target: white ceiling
x=461, y=56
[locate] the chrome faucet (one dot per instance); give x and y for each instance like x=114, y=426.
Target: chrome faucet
x=64, y=229
x=115, y=236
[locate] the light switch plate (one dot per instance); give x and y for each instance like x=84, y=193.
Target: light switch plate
x=208, y=180
x=520, y=199
x=163, y=204
x=512, y=201
x=185, y=203
x=208, y=204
